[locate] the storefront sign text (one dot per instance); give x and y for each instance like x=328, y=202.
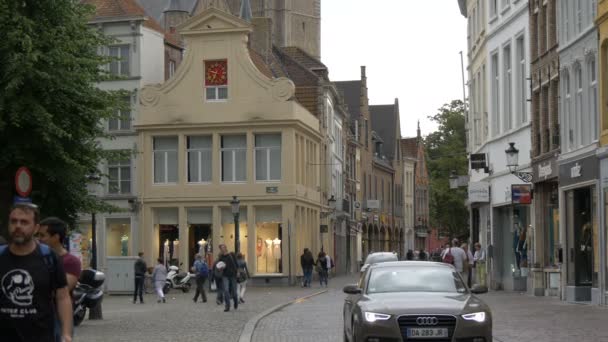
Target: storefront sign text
x=575, y=171
x=545, y=171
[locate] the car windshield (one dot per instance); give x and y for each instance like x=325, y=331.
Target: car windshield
x=377, y=258
x=415, y=279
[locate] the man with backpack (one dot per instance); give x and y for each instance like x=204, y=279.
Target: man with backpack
x=34, y=286
x=201, y=269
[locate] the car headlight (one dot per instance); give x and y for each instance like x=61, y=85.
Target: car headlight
x=477, y=317
x=372, y=317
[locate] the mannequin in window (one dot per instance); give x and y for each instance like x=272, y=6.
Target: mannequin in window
x=516, y=233
x=268, y=248
x=124, y=245
x=586, y=247
x=276, y=248
x=259, y=248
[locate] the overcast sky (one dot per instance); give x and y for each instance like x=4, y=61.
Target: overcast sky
x=410, y=47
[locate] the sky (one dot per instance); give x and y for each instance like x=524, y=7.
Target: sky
x=410, y=49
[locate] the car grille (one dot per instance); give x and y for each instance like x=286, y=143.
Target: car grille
x=409, y=321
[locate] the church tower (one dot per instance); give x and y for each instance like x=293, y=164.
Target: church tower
x=294, y=22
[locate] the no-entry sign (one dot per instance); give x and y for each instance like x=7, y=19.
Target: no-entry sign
x=23, y=181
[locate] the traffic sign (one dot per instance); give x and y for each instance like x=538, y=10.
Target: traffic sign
x=23, y=181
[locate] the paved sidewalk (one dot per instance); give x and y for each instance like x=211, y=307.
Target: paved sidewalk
x=182, y=320
x=517, y=318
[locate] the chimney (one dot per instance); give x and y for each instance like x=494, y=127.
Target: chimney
x=260, y=39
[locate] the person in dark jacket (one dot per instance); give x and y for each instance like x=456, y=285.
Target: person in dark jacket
x=229, y=278
x=409, y=255
x=307, y=261
x=216, y=276
x=322, y=268
x=140, y=275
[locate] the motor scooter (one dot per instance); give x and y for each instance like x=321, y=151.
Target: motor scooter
x=177, y=280
x=87, y=293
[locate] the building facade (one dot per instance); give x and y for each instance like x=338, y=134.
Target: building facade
x=499, y=222
x=223, y=126
x=544, y=74
x=602, y=27
x=578, y=163
x=422, y=217
x=139, y=47
x=409, y=150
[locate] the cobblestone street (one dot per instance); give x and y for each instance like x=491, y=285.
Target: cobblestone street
x=180, y=319
x=517, y=318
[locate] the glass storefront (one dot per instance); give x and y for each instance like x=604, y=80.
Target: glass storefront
x=81, y=240
x=228, y=229
x=511, y=245
x=582, y=233
x=118, y=236
x=200, y=237
x=269, y=240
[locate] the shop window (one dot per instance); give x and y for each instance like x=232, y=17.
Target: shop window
x=200, y=234
x=268, y=157
x=166, y=220
x=228, y=232
x=269, y=240
x=118, y=234
x=80, y=243
x=234, y=158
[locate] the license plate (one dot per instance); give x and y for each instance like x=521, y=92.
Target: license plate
x=427, y=332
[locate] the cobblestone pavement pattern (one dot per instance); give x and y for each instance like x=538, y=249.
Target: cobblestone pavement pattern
x=180, y=319
x=517, y=318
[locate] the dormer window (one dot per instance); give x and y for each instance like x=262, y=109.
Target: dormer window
x=216, y=80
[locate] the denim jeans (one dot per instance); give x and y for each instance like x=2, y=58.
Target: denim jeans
x=230, y=291
x=323, y=276
x=307, y=276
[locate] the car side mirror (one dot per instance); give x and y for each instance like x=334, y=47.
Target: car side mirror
x=352, y=289
x=479, y=289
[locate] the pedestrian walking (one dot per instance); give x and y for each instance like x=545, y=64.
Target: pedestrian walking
x=217, y=271
x=479, y=259
x=229, y=278
x=422, y=255
x=307, y=261
x=321, y=266
x=159, y=276
x=454, y=255
x=242, y=274
x=201, y=269
x=409, y=255
x=52, y=232
x=140, y=277
x=34, y=294
x=468, y=266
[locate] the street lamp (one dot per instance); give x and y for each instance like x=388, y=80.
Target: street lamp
x=93, y=181
x=235, y=204
x=513, y=162
x=332, y=202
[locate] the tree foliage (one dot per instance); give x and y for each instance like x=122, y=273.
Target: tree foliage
x=50, y=107
x=446, y=151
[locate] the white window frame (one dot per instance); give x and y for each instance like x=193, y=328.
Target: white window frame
x=119, y=121
x=120, y=164
x=233, y=151
x=593, y=98
x=508, y=87
x=568, y=142
x=493, y=9
x=578, y=104
x=268, y=150
x=119, y=61
x=520, y=47
x=495, y=78
x=216, y=90
x=199, y=151
x=165, y=153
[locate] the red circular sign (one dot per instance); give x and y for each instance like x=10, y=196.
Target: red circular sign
x=23, y=181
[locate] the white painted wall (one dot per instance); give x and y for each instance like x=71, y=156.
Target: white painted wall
x=152, y=56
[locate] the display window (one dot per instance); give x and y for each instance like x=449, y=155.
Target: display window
x=269, y=241
x=582, y=229
x=118, y=237
x=81, y=240
x=200, y=234
x=228, y=233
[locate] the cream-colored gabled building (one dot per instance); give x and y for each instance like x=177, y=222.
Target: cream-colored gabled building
x=205, y=138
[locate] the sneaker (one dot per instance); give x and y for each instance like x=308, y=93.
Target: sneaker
x=236, y=306
x=241, y=301
x=227, y=309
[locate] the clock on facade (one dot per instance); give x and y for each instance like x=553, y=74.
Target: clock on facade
x=216, y=73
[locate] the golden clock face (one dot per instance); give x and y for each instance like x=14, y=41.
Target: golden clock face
x=216, y=73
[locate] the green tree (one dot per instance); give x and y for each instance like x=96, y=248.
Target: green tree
x=446, y=152
x=50, y=107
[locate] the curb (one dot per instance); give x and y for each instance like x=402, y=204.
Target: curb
x=249, y=328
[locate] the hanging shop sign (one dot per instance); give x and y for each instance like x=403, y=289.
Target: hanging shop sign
x=577, y=171
x=479, y=192
x=521, y=194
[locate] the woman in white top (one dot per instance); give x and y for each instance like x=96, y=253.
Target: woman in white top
x=159, y=276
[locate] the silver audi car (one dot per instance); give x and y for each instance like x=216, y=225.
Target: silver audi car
x=415, y=301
